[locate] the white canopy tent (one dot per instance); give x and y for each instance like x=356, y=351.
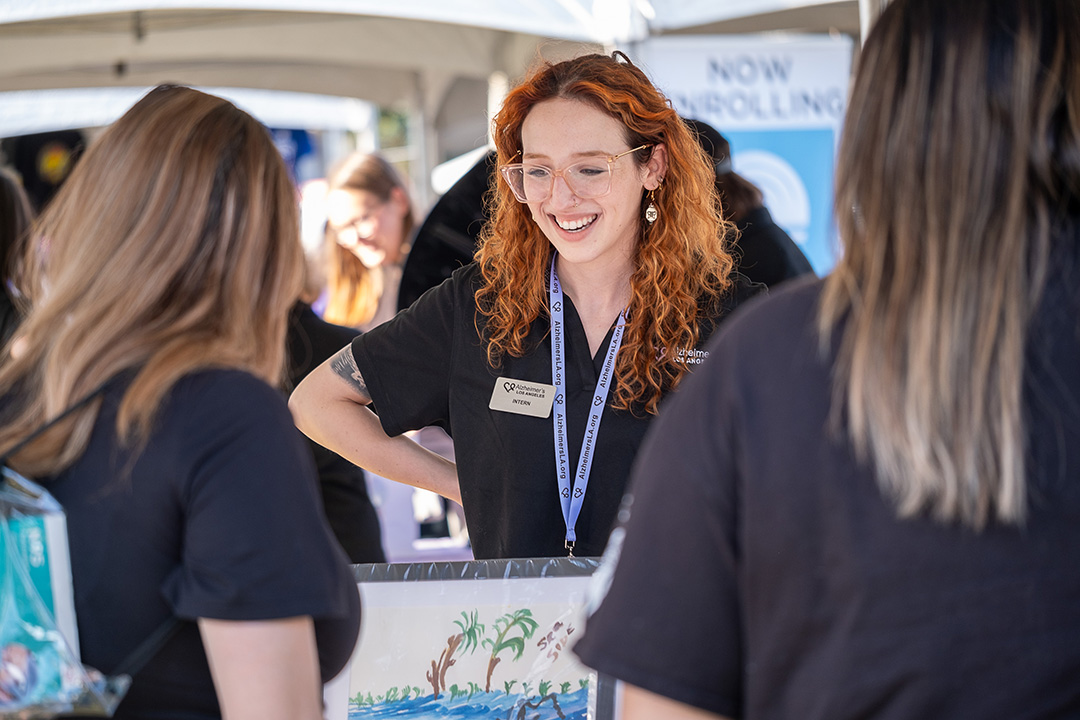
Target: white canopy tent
x=337, y=47
x=442, y=60
x=371, y=49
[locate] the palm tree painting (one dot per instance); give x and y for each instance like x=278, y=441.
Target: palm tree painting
x=468, y=639
x=513, y=630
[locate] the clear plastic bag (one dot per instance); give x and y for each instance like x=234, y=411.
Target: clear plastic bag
x=40, y=672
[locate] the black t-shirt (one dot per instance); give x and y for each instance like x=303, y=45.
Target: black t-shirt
x=428, y=366
x=9, y=316
x=219, y=517
x=765, y=253
x=764, y=575
x=352, y=516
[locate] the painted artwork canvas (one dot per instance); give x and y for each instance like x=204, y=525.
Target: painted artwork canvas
x=481, y=639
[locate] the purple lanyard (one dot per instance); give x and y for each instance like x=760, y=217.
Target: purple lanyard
x=572, y=495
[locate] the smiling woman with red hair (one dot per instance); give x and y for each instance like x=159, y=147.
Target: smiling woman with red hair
x=603, y=270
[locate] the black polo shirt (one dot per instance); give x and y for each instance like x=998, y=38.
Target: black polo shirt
x=428, y=366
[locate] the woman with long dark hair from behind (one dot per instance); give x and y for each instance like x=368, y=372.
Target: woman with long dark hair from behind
x=865, y=503
x=602, y=272
x=163, y=272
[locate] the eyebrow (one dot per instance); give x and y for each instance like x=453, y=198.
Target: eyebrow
x=586, y=154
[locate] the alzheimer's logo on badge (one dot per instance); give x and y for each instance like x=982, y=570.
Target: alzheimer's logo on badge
x=522, y=397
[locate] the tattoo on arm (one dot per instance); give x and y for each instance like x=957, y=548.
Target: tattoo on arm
x=344, y=366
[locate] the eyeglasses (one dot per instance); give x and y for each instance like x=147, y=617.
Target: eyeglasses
x=364, y=226
x=586, y=179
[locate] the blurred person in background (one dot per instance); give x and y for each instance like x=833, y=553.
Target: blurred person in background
x=866, y=502
x=345, y=497
x=43, y=161
x=763, y=251
x=448, y=237
x=15, y=217
x=369, y=223
x=160, y=279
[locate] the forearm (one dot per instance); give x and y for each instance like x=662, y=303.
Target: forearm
x=638, y=704
x=400, y=459
x=330, y=407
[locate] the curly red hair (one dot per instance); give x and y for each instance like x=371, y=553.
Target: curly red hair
x=682, y=264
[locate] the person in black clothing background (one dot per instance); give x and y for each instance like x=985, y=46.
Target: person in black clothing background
x=447, y=238
x=764, y=252
x=352, y=517
x=15, y=217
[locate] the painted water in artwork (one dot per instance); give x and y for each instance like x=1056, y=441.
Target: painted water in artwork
x=471, y=649
x=574, y=706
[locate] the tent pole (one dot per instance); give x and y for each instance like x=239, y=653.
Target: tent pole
x=869, y=10
x=421, y=133
x=498, y=87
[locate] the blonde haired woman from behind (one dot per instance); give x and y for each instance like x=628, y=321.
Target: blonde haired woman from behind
x=163, y=272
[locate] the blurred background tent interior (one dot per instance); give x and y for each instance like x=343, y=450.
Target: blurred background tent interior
x=417, y=81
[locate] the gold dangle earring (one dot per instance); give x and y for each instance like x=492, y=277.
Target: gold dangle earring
x=651, y=213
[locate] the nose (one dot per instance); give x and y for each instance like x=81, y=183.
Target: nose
x=366, y=229
x=346, y=237
x=561, y=193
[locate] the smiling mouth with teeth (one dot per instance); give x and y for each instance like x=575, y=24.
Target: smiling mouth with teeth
x=575, y=225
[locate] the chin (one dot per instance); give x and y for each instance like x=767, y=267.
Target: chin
x=370, y=259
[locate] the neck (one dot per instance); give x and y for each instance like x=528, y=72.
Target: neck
x=599, y=295
x=606, y=286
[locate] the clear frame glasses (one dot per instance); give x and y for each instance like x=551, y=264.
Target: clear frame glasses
x=586, y=179
x=363, y=226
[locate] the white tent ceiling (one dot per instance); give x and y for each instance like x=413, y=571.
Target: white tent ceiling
x=372, y=49
x=408, y=53
x=355, y=48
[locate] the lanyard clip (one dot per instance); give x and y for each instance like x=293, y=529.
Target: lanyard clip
x=569, y=547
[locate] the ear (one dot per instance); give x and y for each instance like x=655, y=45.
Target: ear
x=655, y=168
x=400, y=200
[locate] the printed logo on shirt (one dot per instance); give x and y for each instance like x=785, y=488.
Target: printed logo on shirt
x=693, y=357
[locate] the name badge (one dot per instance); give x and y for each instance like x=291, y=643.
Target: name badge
x=523, y=398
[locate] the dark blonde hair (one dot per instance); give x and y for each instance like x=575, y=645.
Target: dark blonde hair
x=961, y=151
x=173, y=246
x=682, y=265
x=353, y=290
